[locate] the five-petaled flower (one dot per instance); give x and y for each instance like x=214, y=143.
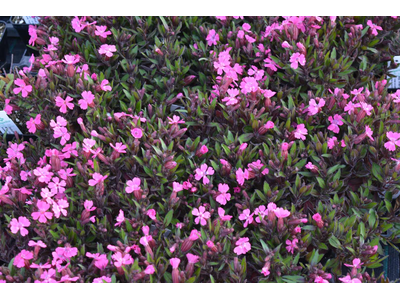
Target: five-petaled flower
x=297, y=59
x=23, y=88
x=19, y=225
x=300, y=132
x=212, y=38
x=394, y=140
x=102, y=31
x=336, y=121
x=202, y=172
x=224, y=196
x=132, y=185
x=243, y=246
x=107, y=50
x=201, y=214
x=97, y=177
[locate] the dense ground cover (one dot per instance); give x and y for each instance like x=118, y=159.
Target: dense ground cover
x=202, y=149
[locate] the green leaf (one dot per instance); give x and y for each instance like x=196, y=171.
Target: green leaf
x=334, y=242
x=168, y=218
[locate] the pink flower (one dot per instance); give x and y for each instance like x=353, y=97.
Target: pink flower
x=137, y=133
x=175, y=120
x=102, y=279
x=42, y=214
x=356, y=263
x=369, y=132
x=247, y=217
x=100, y=260
x=265, y=271
x=107, y=50
x=367, y=108
x=285, y=44
x=37, y=244
x=314, y=108
x=23, y=88
x=71, y=59
x=336, y=121
x=348, y=279
x=332, y=142
x=240, y=176
x=258, y=74
x=202, y=215
x=89, y=205
x=373, y=27
x=19, y=260
x=33, y=35
x=394, y=139
x=281, y=213
x=31, y=124
x=104, y=86
x=260, y=212
x=144, y=240
x=310, y=166
x=120, y=260
x=97, y=177
x=151, y=213
x=179, y=225
x=297, y=58
x=300, y=132
x=350, y=107
x=223, y=217
x=291, y=245
x=202, y=172
x=8, y=108
x=132, y=185
x=149, y=270
x=19, y=225
x=203, y=149
x=102, y=31
x=212, y=38
x=120, y=218
x=224, y=196
x=174, y=262
x=43, y=174
x=119, y=147
x=87, y=100
x=194, y=235
x=63, y=104
x=210, y=244
x=192, y=259
x=319, y=279
x=249, y=85
x=317, y=217
x=243, y=246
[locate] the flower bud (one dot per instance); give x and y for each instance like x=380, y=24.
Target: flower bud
x=169, y=165
x=188, y=79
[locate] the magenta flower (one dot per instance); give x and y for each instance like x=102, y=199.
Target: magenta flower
x=297, y=59
x=174, y=262
x=356, y=263
x=8, y=108
x=394, y=139
x=107, y=50
x=103, y=279
x=374, y=27
x=137, y=133
x=104, y=86
x=42, y=215
x=87, y=100
x=224, y=196
x=314, y=108
x=19, y=225
x=300, y=132
x=102, y=31
x=120, y=218
x=281, y=213
x=64, y=104
x=43, y=174
x=223, y=217
x=149, y=270
x=369, y=132
x=19, y=260
x=194, y=235
x=249, y=85
x=100, y=260
x=120, y=260
x=192, y=259
x=57, y=186
x=31, y=124
x=71, y=59
x=265, y=271
x=319, y=279
x=39, y=243
x=260, y=212
x=119, y=147
x=291, y=245
x=348, y=279
x=212, y=38
x=151, y=213
x=132, y=185
x=97, y=177
x=23, y=88
x=317, y=217
x=243, y=246
x=202, y=172
x=247, y=217
x=310, y=166
x=33, y=35
x=350, y=107
x=231, y=99
x=240, y=176
x=202, y=215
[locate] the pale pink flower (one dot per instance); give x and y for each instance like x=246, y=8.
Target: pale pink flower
x=314, y=108
x=202, y=172
x=300, y=132
x=254, y=71
x=260, y=212
x=42, y=215
x=137, y=133
x=103, y=279
x=350, y=107
x=174, y=262
x=151, y=213
x=240, y=176
x=212, y=38
x=247, y=217
x=43, y=174
x=192, y=259
x=88, y=204
x=281, y=213
x=149, y=270
x=97, y=177
x=369, y=132
x=100, y=260
x=175, y=120
x=177, y=187
x=144, y=240
x=249, y=85
x=19, y=225
x=224, y=196
x=285, y=44
x=332, y=142
x=57, y=186
x=336, y=121
x=249, y=38
x=87, y=100
x=63, y=104
x=107, y=50
x=104, y=86
x=120, y=260
x=179, y=225
x=310, y=166
x=39, y=243
x=71, y=59
x=132, y=185
x=120, y=218
x=243, y=246
x=297, y=58
x=265, y=271
x=23, y=88
x=356, y=263
x=202, y=215
x=59, y=208
x=223, y=217
x=31, y=124
x=102, y=31
x=394, y=139
x=119, y=147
